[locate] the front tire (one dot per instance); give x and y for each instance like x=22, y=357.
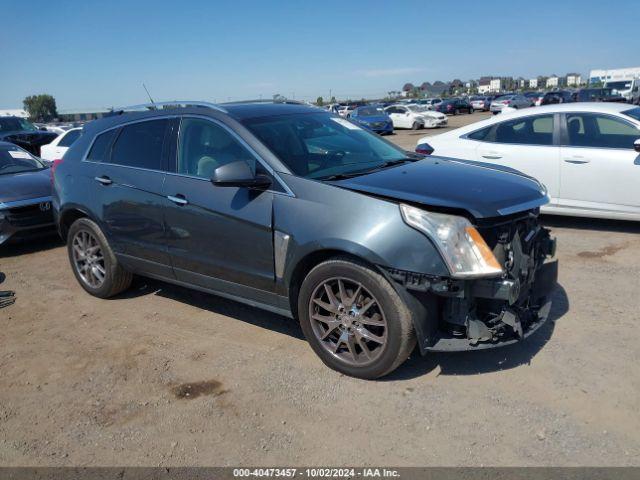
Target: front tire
x=354, y=319
x=415, y=126
x=93, y=262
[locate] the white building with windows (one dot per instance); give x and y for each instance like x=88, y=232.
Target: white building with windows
x=553, y=81
x=596, y=76
x=533, y=83
x=495, y=85
x=574, y=79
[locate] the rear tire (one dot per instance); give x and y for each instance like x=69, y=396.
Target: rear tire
x=415, y=126
x=93, y=262
x=456, y=112
x=381, y=336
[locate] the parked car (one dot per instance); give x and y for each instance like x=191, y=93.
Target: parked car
x=585, y=153
x=480, y=103
x=415, y=117
x=559, y=96
x=628, y=88
x=23, y=133
x=515, y=101
x=431, y=103
x=373, y=118
x=535, y=97
x=25, y=194
x=56, y=149
x=453, y=106
x=300, y=212
x=598, y=95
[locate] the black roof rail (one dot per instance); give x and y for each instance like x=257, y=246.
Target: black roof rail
x=262, y=100
x=166, y=106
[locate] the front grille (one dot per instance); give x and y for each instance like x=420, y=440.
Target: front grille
x=30, y=215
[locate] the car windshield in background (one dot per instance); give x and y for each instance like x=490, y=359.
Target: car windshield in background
x=13, y=124
x=368, y=112
x=320, y=145
x=417, y=108
x=633, y=113
x=16, y=160
x=626, y=85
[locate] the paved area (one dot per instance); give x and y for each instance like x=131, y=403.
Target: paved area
x=166, y=376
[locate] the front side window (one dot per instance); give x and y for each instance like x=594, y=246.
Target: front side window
x=15, y=160
x=599, y=131
x=140, y=145
x=205, y=146
x=633, y=113
x=318, y=145
x=533, y=130
x=69, y=138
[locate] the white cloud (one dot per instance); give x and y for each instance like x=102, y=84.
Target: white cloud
x=391, y=72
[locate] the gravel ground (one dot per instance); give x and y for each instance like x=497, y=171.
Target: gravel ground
x=165, y=376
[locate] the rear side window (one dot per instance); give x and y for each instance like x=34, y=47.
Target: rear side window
x=69, y=138
x=140, y=145
x=100, y=150
x=599, y=131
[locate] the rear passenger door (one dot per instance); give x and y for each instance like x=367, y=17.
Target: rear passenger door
x=219, y=238
x=600, y=168
x=129, y=175
x=527, y=144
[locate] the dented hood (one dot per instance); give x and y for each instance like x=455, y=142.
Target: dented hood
x=481, y=189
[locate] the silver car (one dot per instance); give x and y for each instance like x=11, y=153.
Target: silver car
x=513, y=101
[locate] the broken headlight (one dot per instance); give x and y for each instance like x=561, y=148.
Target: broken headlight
x=463, y=249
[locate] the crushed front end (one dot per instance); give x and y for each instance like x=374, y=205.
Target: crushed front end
x=477, y=313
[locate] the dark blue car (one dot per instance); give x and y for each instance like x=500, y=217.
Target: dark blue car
x=372, y=118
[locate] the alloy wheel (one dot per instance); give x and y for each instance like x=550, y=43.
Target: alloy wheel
x=348, y=321
x=88, y=259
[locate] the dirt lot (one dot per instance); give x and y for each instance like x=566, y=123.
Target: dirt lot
x=166, y=376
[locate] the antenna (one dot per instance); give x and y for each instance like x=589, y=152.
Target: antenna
x=148, y=94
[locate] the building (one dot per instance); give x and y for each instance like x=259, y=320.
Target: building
x=574, y=79
x=13, y=112
x=597, y=76
x=533, y=83
x=554, y=81
x=484, y=85
x=522, y=83
x=495, y=85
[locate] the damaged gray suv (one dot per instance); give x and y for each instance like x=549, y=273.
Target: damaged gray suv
x=297, y=211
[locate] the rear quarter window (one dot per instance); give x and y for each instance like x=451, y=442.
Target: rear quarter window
x=101, y=146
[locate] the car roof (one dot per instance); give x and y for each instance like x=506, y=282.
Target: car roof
x=592, y=107
x=238, y=111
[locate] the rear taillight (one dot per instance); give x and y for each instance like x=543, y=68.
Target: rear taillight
x=54, y=166
x=424, y=149
x=506, y=102
x=449, y=107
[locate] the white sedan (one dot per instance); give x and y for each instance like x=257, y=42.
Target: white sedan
x=56, y=149
x=415, y=117
x=586, y=154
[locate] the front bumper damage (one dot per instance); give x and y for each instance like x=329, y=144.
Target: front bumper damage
x=475, y=314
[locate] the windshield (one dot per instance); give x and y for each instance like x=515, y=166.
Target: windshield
x=417, y=108
x=320, y=145
x=15, y=160
x=12, y=124
x=369, y=111
x=633, y=113
x=623, y=85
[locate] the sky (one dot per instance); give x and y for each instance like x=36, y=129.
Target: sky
x=96, y=54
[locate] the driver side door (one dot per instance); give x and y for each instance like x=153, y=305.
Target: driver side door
x=219, y=238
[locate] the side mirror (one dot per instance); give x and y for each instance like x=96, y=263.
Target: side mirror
x=238, y=174
x=636, y=145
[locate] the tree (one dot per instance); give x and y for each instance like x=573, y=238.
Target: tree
x=333, y=99
x=41, y=108
x=320, y=101
x=408, y=87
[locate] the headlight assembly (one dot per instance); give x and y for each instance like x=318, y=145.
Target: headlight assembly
x=462, y=247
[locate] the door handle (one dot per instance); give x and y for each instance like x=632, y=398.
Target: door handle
x=104, y=180
x=576, y=161
x=178, y=199
x=492, y=157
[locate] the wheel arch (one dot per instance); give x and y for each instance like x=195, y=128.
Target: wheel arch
x=69, y=215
